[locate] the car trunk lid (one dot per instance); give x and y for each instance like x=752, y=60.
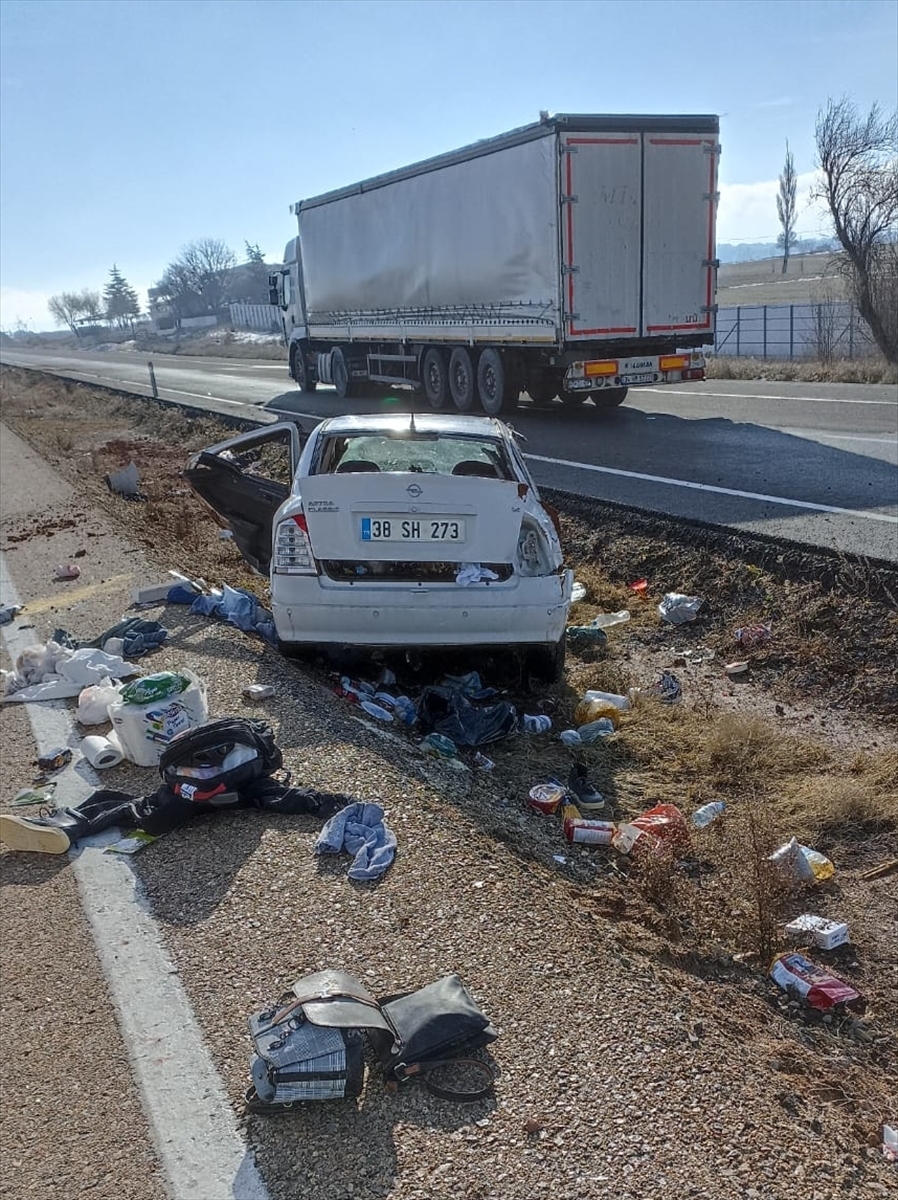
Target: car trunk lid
x=413, y=517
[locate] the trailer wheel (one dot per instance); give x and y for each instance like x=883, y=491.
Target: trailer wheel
x=496, y=391
x=300, y=371
x=609, y=397
x=462, y=379
x=574, y=399
x=542, y=387
x=435, y=378
x=344, y=385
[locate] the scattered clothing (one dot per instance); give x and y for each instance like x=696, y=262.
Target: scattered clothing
x=360, y=830
x=238, y=607
x=54, y=672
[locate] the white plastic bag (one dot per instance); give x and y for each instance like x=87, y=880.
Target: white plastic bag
x=94, y=701
x=801, y=864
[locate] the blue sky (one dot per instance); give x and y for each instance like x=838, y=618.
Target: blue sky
x=129, y=128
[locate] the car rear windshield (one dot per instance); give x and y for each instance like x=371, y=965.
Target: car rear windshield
x=426, y=454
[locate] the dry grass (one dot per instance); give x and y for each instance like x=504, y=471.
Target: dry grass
x=855, y=370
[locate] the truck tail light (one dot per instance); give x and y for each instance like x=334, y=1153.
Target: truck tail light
x=293, y=548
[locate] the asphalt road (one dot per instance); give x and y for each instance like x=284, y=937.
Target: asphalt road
x=815, y=463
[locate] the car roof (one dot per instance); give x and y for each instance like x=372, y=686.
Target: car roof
x=424, y=423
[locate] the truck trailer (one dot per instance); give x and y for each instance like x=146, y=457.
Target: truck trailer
x=570, y=258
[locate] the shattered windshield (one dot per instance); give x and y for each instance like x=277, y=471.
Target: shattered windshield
x=428, y=454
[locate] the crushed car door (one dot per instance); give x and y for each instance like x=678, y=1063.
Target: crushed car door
x=245, y=480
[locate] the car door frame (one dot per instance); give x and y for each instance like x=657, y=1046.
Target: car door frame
x=246, y=504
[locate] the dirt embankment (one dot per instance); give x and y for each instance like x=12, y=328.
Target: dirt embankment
x=800, y=745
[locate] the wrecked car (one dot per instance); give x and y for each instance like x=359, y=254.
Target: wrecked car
x=412, y=531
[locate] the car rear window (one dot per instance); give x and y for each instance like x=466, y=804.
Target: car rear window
x=428, y=454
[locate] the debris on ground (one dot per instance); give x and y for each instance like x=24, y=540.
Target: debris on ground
x=818, y=988
x=822, y=932
x=800, y=864
x=125, y=482
x=678, y=609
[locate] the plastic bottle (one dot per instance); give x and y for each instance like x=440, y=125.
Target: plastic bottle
x=375, y=710
x=707, y=813
x=405, y=710
x=606, y=620
x=620, y=702
x=540, y=724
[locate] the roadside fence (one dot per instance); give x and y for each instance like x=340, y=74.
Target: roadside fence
x=816, y=331
x=262, y=317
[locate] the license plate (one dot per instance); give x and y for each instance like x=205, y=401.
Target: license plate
x=637, y=378
x=412, y=529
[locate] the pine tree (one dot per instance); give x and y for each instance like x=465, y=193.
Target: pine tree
x=121, y=301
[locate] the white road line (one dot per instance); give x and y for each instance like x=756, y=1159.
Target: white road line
x=192, y=1124
x=758, y=396
x=721, y=491
x=813, y=434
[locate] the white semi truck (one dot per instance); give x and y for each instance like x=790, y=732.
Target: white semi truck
x=571, y=258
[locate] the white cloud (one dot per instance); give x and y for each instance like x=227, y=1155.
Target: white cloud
x=747, y=211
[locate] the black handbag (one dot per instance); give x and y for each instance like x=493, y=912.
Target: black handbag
x=309, y=1046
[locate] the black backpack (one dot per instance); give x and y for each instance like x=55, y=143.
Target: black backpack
x=213, y=762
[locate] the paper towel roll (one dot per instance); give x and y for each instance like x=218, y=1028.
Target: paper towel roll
x=102, y=752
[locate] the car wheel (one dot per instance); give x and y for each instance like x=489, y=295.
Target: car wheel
x=547, y=662
x=300, y=371
x=496, y=391
x=609, y=397
x=435, y=378
x=542, y=387
x=344, y=385
x=462, y=379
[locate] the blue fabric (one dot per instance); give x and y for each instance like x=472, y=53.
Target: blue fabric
x=360, y=830
x=240, y=608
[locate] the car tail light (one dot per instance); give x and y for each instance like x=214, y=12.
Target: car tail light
x=293, y=549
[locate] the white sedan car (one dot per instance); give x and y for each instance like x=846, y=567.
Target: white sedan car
x=404, y=531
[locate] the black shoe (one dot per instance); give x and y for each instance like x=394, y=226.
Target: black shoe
x=588, y=798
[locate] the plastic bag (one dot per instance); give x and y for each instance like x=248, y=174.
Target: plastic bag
x=662, y=825
x=802, y=864
x=677, y=609
x=446, y=711
x=820, y=989
x=94, y=701
x=152, y=688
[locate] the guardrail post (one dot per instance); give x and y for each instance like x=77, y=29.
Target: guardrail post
x=153, y=381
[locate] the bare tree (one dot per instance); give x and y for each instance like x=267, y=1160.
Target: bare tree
x=70, y=308
x=785, y=207
x=858, y=157
x=207, y=264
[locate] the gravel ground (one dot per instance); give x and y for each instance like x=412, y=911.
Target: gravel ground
x=66, y=1080
x=624, y=1068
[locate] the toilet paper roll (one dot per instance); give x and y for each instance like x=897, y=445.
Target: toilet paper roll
x=102, y=752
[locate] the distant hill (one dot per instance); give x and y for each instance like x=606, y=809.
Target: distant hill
x=740, y=252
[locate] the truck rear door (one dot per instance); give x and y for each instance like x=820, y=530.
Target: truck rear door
x=679, y=204
x=601, y=202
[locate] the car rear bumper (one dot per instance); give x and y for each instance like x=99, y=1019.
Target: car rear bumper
x=530, y=611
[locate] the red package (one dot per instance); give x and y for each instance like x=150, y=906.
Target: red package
x=820, y=989
x=665, y=823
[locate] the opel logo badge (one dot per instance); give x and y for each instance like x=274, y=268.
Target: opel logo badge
x=414, y=490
